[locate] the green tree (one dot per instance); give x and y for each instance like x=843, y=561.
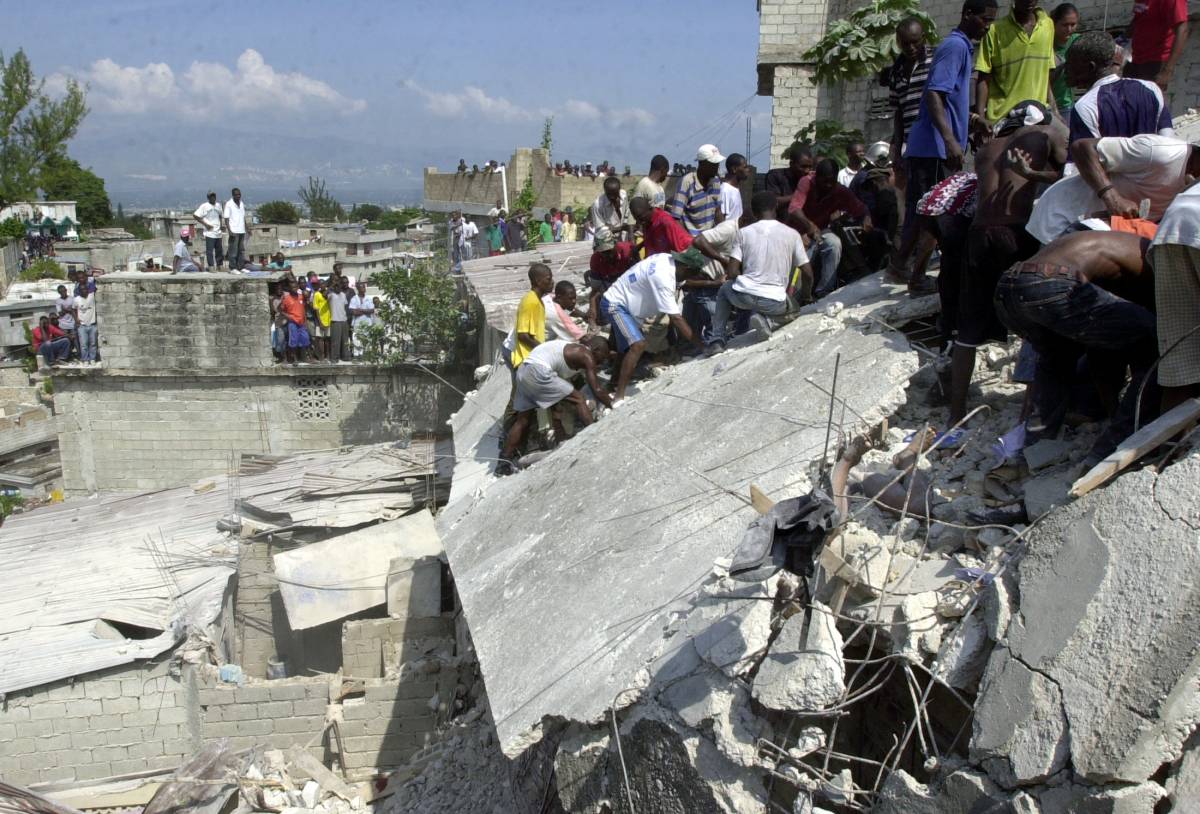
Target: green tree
x=11, y=229
x=278, y=212
x=396, y=218
x=864, y=43
x=33, y=127
x=548, y=133
x=62, y=179
x=367, y=212
x=419, y=316
x=322, y=206
x=43, y=269
x=828, y=138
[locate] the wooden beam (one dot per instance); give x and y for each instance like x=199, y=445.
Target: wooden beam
x=1135, y=446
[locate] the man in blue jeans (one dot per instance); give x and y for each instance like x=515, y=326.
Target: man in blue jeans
x=1060, y=301
x=770, y=250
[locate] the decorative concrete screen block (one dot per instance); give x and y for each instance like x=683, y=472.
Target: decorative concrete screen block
x=414, y=587
x=312, y=398
x=183, y=322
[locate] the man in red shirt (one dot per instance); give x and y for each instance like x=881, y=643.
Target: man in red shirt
x=661, y=233
x=1159, y=31
x=292, y=304
x=610, y=259
x=51, y=342
x=818, y=203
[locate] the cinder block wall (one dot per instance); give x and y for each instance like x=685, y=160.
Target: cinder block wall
x=370, y=646
x=119, y=432
x=392, y=720
x=186, y=322
x=282, y=713
x=128, y=719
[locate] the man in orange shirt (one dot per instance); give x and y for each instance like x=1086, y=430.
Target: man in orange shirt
x=298, y=341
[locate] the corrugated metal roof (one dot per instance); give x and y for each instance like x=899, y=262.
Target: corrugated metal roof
x=158, y=561
x=500, y=282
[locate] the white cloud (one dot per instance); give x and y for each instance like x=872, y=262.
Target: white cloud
x=472, y=100
x=146, y=176
x=206, y=89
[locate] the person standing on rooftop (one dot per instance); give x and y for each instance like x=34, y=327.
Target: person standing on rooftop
x=208, y=215
x=235, y=219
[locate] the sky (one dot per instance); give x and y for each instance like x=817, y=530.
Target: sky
x=185, y=97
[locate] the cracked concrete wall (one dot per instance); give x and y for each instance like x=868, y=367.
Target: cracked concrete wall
x=1108, y=603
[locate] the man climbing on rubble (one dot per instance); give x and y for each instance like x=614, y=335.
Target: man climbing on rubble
x=647, y=290
x=769, y=252
x=660, y=232
x=529, y=330
x=610, y=259
x=1029, y=148
x=544, y=380
x=561, y=313
x=1064, y=301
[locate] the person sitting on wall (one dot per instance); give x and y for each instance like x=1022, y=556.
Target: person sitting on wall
x=462, y=165
x=544, y=380
x=51, y=342
x=182, y=261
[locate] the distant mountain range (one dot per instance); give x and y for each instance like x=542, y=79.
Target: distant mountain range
x=174, y=165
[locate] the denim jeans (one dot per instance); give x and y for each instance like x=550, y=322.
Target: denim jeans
x=213, y=250
x=237, y=251
x=728, y=299
x=87, y=342
x=826, y=257
x=1064, y=317
x=699, y=305
x=56, y=350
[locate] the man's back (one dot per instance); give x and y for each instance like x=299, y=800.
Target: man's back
x=770, y=250
x=1118, y=107
x=1005, y=195
x=1101, y=257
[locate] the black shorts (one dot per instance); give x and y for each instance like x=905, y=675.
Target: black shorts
x=991, y=250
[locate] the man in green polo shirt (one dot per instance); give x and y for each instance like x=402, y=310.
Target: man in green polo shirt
x=1014, y=61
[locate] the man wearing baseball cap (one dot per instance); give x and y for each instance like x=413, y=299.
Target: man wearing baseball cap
x=182, y=261
x=697, y=201
x=645, y=291
x=610, y=259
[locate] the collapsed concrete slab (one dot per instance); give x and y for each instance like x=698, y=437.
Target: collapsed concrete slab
x=569, y=571
x=1108, y=602
x=804, y=670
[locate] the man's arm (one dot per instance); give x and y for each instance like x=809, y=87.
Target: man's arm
x=1091, y=168
x=732, y=266
x=589, y=373
x=683, y=329
x=1168, y=69
x=981, y=94
x=1021, y=163
x=936, y=101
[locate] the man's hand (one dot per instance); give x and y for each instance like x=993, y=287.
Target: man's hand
x=1164, y=78
x=899, y=173
x=954, y=155
x=1118, y=204
x=1020, y=161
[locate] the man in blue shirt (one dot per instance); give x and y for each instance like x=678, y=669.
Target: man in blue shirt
x=938, y=137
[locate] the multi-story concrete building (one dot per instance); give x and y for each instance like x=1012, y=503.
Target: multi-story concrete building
x=50, y=217
x=787, y=28
x=362, y=251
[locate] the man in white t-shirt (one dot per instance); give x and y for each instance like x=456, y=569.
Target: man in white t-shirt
x=1175, y=256
x=1115, y=175
x=235, y=219
x=770, y=250
x=65, y=306
x=182, y=261
x=362, y=315
x=469, y=232
x=85, y=311
x=208, y=215
x=856, y=156
x=737, y=170
x=647, y=290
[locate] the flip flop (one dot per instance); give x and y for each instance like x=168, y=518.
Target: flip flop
x=947, y=439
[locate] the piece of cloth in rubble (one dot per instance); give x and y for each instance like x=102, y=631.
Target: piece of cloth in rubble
x=798, y=522
x=957, y=195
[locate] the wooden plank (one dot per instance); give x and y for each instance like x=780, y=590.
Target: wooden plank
x=1135, y=446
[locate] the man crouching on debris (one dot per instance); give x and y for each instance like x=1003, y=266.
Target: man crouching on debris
x=544, y=380
x=647, y=290
x=1062, y=301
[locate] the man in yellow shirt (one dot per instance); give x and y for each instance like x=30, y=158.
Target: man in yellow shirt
x=323, y=317
x=1014, y=62
x=531, y=315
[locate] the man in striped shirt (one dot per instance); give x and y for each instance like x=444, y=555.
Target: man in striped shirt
x=907, y=85
x=697, y=201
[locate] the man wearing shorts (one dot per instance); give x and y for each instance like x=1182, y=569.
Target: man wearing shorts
x=1062, y=301
x=647, y=290
x=544, y=380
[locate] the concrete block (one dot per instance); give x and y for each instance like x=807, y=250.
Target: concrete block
x=34, y=728
x=255, y=695
x=65, y=692
x=53, y=743
x=109, y=753
x=61, y=725
x=309, y=724
x=287, y=692
x=218, y=729
x=414, y=587
x=275, y=709
x=49, y=710
x=258, y=727
x=120, y=705
x=84, y=708
x=146, y=748
x=308, y=706
x=8, y=732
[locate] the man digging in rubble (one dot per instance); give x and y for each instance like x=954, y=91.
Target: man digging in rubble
x=1087, y=292
x=544, y=380
x=1030, y=147
x=647, y=290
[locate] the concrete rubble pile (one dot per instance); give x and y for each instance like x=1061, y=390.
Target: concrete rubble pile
x=956, y=634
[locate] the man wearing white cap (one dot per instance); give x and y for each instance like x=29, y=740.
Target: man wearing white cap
x=697, y=201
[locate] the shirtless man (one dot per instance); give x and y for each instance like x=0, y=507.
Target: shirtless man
x=1087, y=292
x=1029, y=147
